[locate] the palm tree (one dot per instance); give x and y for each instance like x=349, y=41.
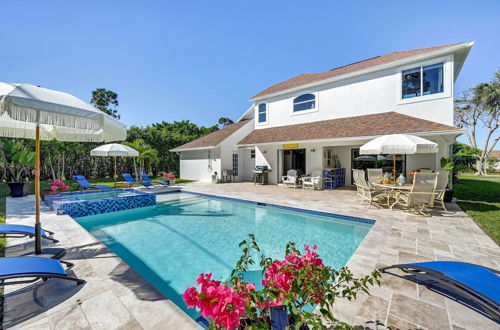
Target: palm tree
x=146, y=153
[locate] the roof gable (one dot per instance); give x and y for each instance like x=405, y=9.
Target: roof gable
x=307, y=78
x=213, y=139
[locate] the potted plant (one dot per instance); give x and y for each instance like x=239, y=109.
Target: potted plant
x=56, y=187
x=292, y=286
x=18, y=161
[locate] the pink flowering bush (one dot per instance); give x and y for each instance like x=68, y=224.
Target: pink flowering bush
x=58, y=186
x=299, y=280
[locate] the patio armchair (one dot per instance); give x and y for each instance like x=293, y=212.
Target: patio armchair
x=312, y=182
x=364, y=190
x=442, y=183
x=290, y=179
x=374, y=174
x=421, y=194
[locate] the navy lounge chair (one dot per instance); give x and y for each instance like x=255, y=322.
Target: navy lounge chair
x=473, y=283
x=84, y=184
x=130, y=178
x=33, y=269
x=146, y=178
x=13, y=231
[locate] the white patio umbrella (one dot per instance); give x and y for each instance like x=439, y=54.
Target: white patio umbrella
x=403, y=144
x=32, y=112
x=114, y=150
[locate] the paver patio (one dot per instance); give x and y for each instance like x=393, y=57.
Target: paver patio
x=117, y=297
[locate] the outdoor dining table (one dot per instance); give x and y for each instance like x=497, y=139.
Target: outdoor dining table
x=392, y=190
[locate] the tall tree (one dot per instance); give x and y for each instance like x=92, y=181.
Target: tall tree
x=479, y=107
x=224, y=121
x=106, y=101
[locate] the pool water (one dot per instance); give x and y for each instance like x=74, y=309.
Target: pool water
x=90, y=196
x=185, y=234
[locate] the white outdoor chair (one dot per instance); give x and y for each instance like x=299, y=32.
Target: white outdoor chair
x=374, y=174
x=421, y=194
x=364, y=190
x=312, y=182
x=442, y=183
x=290, y=179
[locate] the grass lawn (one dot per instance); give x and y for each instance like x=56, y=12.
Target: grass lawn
x=479, y=197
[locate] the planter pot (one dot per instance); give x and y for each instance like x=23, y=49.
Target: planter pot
x=47, y=192
x=448, y=195
x=17, y=189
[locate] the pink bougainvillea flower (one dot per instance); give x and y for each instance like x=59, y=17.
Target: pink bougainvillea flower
x=64, y=188
x=53, y=188
x=190, y=296
x=314, y=246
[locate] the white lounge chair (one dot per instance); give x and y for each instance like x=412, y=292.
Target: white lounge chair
x=442, y=183
x=364, y=190
x=290, y=179
x=421, y=194
x=312, y=182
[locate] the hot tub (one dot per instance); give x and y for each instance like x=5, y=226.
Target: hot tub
x=84, y=203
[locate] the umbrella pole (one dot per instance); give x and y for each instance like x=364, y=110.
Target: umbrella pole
x=394, y=169
x=114, y=175
x=38, y=238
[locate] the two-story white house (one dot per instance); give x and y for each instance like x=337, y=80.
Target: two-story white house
x=319, y=120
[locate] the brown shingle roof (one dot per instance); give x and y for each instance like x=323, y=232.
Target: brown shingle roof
x=494, y=154
x=213, y=139
x=369, y=125
x=307, y=78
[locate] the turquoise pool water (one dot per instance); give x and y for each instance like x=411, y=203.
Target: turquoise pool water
x=90, y=196
x=184, y=235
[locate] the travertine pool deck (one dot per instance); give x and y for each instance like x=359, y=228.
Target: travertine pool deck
x=115, y=297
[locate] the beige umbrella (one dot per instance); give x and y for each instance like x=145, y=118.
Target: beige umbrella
x=402, y=144
x=31, y=112
x=114, y=150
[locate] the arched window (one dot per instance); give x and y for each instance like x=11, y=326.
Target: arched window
x=262, y=113
x=304, y=102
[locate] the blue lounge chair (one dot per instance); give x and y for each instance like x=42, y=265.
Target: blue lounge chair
x=33, y=269
x=146, y=178
x=14, y=231
x=468, y=282
x=84, y=184
x=130, y=178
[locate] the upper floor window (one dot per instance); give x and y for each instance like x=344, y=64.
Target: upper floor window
x=423, y=80
x=262, y=113
x=304, y=102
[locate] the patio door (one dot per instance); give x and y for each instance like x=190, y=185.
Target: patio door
x=294, y=159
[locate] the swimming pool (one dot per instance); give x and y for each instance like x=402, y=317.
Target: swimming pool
x=186, y=234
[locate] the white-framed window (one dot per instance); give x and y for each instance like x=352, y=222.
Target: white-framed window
x=252, y=153
x=304, y=102
x=235, y=164
x=262, y=113
x=422, y=80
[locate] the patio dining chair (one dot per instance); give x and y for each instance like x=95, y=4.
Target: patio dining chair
x=312, y=182
x=421, y=194
x=364, y=190
x=290, y=179
x=374, y=174
x=442, y=183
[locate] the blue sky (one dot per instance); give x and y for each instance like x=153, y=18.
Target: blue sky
x=200, y=60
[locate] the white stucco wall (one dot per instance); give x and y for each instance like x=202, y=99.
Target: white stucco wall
x=368, y=94
x=228, y=147
x=200, y=164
